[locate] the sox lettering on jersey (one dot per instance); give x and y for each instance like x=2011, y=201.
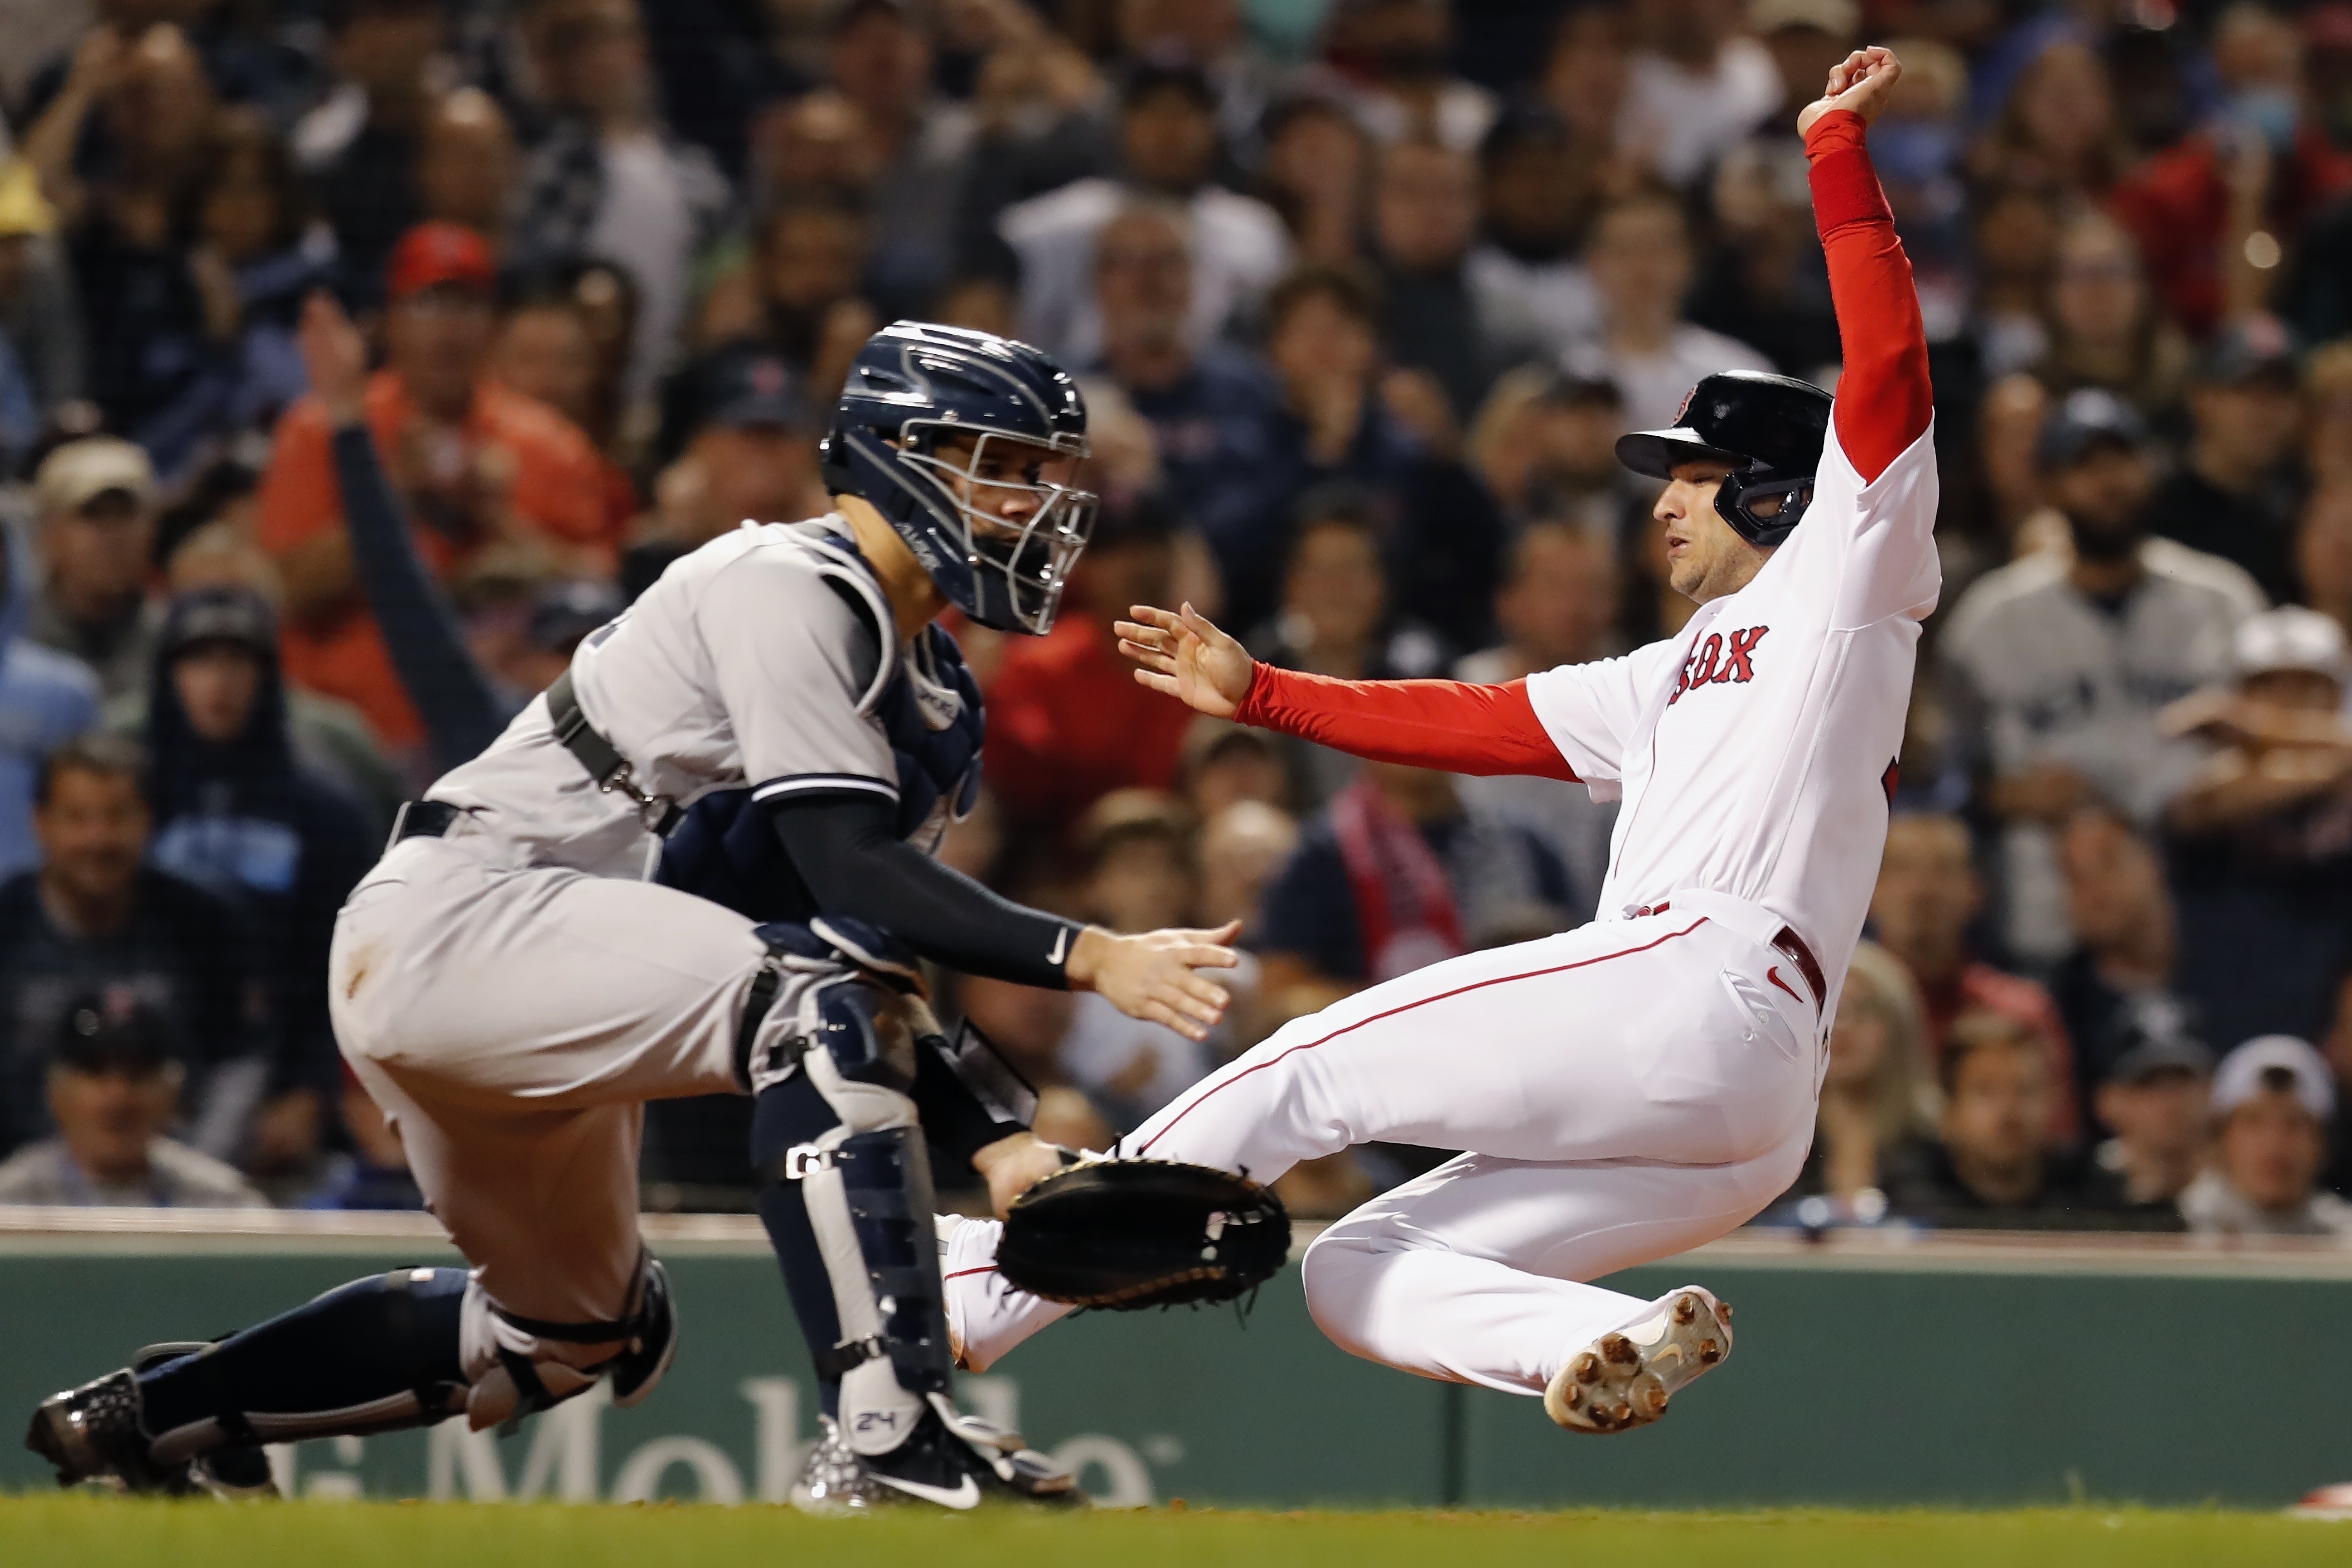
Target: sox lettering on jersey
x=1715, y=661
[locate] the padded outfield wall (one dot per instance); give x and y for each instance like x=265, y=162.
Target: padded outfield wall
x=1869, y=1372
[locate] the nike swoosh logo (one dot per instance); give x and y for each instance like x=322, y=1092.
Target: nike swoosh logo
x=964, y=1495
x=1061, y=945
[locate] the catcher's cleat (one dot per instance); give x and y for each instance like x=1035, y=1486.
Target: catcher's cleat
x=952, y=1461
x=1626, y=1378
x=92, y=1433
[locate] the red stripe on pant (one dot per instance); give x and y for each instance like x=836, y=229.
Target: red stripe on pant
x=1407, y=1007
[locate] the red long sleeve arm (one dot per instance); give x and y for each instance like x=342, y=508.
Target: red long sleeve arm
x=1446, y=724
x=1884, y=399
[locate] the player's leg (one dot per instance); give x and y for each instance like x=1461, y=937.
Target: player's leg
x=1656, y=1041
x=847, y=1197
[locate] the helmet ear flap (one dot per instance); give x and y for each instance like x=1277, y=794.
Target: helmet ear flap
x=1736, y=498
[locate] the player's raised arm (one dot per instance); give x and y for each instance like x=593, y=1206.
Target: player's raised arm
x=1448, y=725
x=1884, y=399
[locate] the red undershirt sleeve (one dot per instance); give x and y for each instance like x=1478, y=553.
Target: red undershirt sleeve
x=1449, y=725
x=1884, y=399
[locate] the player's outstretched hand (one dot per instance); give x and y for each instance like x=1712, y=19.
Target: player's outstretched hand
x=1864, y=81
x=1183, y=654
x=1152, y=975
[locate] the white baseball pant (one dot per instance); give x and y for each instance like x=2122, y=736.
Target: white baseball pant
x=1626, y=1090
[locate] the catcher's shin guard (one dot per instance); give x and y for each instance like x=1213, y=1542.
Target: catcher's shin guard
x=847, y=1197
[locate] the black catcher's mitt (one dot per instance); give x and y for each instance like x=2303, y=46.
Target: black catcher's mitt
x=1129, y=1234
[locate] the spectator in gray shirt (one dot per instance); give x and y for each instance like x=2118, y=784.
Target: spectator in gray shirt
x=113, y=1088
x=2061, y=663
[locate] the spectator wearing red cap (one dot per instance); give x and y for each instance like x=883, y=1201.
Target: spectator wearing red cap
x=479, y=465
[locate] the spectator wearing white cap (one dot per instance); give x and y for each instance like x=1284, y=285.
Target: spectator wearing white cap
x=2273, y=1101
x=2262, y=838
x=95, y=501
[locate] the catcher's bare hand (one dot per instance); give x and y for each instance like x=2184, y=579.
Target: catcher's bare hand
x=1183, y=654
x=1011, y=1166
x=1864, y=81
x=1152, y=976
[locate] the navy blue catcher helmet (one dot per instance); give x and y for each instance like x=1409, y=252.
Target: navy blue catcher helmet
x=1002, y=549
x=1769, y=428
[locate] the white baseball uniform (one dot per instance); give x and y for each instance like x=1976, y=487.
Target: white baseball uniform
x=1647, y=1082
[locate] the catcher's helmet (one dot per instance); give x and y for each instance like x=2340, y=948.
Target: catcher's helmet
x=1769, y=428
x=914, y=387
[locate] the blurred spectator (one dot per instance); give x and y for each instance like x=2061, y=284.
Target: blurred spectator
x=1242, y=847
x=1538, y=188
x=2324, y=553
x=1209, y=407
x=1697, y=85
x=1641, y=264
x=1396, y=56
x=45, y=699
x=121, y=151
x=1317, y=176
x=608, y=178
x=2234, y=496
x=358, y=148
x=1168, y=140
x=1545, y=444
x=1874, y=1124
x=2065, y=663
x=2261, y=168
x=1557, y=606
x=40, y=318
x=2106, y=331
x=918, y=144
x=94, y=502
x=2156, y=1099
x=547, y=350
x=114, y=1091
x=2328, y=392
x=92, y=917
x=1395, y=875
x=2127, y=938
x=2057, y=131
x=2273, y=1105
x=2016, y=231
x=797, y=296
x=1067, y=723
x=1993, y=1168
x=469, y=172
x=2263, y=834
x=1225, y=762
x=1216, y=36
x=476, y=465
x=252, y=258
x=1341, y=422
x=1425, y=216
x=1926, y=897
x=1141, y=875
x=235, y=812
x=2016, y=511
x=375, y=1174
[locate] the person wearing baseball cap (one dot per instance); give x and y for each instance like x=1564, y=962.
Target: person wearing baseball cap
x=113, y=1088
x=2234, y=494
x=2273, y=1104
x=749, y=442
x=473, y=459
x=95, y=501
x=2155, y=1098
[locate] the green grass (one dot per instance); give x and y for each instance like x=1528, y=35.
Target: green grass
x=100, y=1533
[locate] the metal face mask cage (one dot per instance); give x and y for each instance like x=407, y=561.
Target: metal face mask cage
x=1035, y=562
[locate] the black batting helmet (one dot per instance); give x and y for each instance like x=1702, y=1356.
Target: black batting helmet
x=1769, y=428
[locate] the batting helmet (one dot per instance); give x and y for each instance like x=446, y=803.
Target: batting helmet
x=1769, y=428
x=916, y=393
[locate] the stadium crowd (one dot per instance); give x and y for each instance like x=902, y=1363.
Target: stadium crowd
x=1361, y=293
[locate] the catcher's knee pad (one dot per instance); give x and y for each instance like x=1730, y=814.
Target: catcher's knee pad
x=515, y=1366
x=375, y=1355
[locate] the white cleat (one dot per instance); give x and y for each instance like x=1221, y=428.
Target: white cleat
x=1623, y=1379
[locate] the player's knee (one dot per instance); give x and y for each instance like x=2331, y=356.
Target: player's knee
x=1337, y=1275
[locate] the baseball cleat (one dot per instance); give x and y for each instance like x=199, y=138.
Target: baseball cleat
x=92, y=1435
x=1626, y=1378
x=952, y=1461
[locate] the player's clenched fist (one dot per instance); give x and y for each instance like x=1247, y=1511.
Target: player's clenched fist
x=1183, y=654
x=1152, y=975
x=1864, y=81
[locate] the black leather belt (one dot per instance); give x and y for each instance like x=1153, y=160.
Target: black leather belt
x=423, y=819
x=604, y=761
x=1792, y=946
